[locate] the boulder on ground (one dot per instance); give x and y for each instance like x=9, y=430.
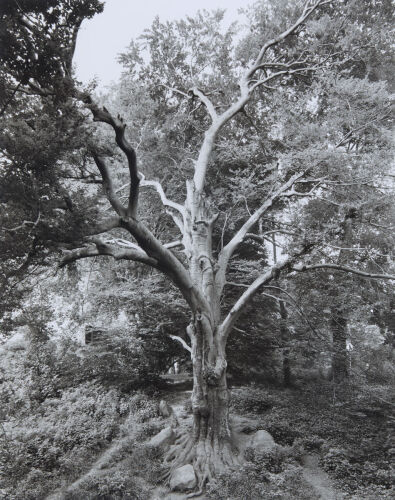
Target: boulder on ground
x=165, y=437
x=165, y=409
x=183, y=479
x=261, y=441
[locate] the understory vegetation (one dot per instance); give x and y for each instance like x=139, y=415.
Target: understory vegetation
x=350, y=428
x=55, y=430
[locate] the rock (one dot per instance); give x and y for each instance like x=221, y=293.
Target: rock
x=165, y=437
x=183, y=479
x=165, y=409
x=261, y=441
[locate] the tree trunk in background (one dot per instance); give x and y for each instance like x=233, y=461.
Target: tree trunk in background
x=339, y=313
x=287, y=375
x=339, y=347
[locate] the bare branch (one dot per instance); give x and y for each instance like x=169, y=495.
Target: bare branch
x=102, y=248
x=263, y=82
x=182, y=342
x=173, y=244
x=346, y=269
x=309, y=7
x=119, y=126
x=158, y=187
x=232, y=283
x=229, y=249
x=176, y=91
x=108, y=185
x=23, y=224
x=246, y=90
x=168, y=263
x=246, y=297
x=206, y=101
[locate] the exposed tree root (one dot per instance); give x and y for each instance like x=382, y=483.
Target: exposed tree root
x=209, y=457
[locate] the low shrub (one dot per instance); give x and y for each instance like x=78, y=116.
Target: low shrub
x=65, y=435
x=142, y=407
x=349, y=470
x=250, y=482
x=276, y=460
x=146, y=461
x=283, y=433
x=269, y=475
x=251, y=400
x=112, y=484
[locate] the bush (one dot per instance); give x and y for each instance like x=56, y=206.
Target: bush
x=284, y=434
x=64, y=436
x=82, y=420
x=142, y=407
x=251, y=400
x=112, y=484
x=250, y=482
x=348, y=470
x=269, y=475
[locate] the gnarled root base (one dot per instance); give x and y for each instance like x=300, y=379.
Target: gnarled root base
x=208, y=457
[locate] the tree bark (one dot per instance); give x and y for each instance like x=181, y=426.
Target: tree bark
x=208, y=446
x=210, y=398
x=210, y=393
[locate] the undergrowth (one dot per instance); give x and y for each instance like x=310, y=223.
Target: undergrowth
x=348, y=426
x=42, y=451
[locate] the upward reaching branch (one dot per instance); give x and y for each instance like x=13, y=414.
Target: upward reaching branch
x=119, y=126
x=206, y=101
x=230, y=248
x=247, y=87
x=158, y=186
x=247, y=296
x=108, y=185
x=309, y=7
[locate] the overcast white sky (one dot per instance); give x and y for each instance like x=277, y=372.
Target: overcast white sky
x=102, y=38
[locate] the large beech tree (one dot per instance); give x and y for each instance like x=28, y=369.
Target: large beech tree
x=274, y=66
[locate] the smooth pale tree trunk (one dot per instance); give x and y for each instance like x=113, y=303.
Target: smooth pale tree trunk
x=209, y=445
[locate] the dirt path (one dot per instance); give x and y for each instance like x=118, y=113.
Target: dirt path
x=319, y=479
